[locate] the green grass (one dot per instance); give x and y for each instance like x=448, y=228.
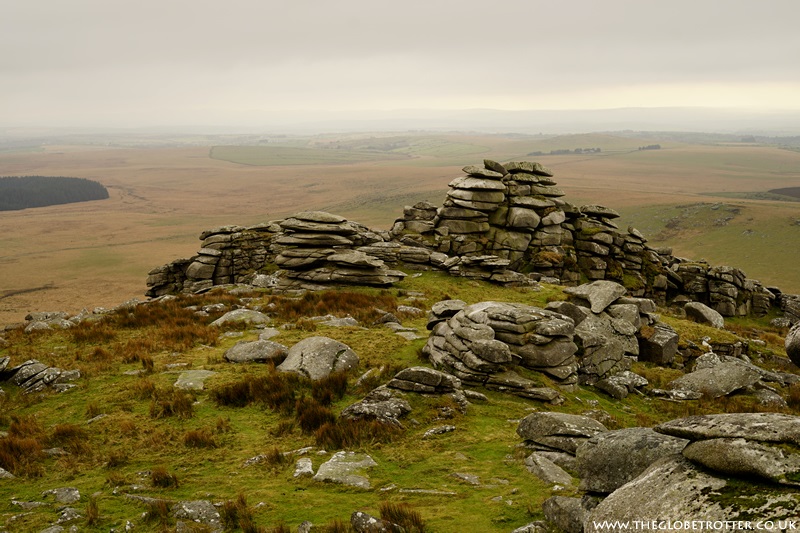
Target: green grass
x=753, y=240
x=125, y=446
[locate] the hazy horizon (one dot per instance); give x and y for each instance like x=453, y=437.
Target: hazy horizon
x=147, y=64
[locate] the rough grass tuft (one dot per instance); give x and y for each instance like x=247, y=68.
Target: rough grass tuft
x=403, y=515
x=159, y=477
x=199, y=438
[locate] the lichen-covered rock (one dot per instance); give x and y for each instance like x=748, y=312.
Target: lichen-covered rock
x=674, y=489
x=346, y=468
x=382, y=404
x=242, y=316
x=608, y=460
x=319, y=357
x=744, y=458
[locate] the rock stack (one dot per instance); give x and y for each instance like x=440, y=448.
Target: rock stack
x=319, y=248
x=228, y=254
x=483, y=342
x=725, y=289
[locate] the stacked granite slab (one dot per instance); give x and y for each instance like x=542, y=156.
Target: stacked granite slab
x=725, y=289
x=228, y=254
x=318, y=248
x=416, y=219
x=484, y=343
x=465, y=212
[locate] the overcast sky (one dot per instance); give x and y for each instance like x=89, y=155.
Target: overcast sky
x=163, y=62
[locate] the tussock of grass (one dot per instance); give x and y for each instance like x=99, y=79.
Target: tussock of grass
x=199, y=438
x=403, y=515
x=159, y=477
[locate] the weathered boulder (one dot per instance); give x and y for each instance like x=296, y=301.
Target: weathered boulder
x=422, y=379
x=319, y=357
x=382, y=404
x=542, y=467
x=674, y=490
x=364, y=523
x=198, y=512
x=741, y=457
x=658, y=344
x=567, y=514
x=717, y=381
x=559, y=431
x=703, y=314
x=608, y=460
x=242, y=316
x=346, y=468
x=260, y=351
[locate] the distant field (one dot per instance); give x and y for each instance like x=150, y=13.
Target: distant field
x=287, y=155
x=99, y=253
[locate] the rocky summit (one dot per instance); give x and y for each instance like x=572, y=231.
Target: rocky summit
x=505, y=223
x=504, y=362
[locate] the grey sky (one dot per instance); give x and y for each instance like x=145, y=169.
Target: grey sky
x=160, y=62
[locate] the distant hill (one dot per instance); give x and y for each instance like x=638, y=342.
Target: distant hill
x=23, y=192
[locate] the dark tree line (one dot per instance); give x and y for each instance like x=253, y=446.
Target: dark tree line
x=22, y=192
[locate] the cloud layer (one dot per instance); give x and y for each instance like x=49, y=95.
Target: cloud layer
x=147, y=62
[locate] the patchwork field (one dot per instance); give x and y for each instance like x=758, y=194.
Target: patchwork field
x=707, y=201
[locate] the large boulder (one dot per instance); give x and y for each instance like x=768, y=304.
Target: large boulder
x=609, y=460
x=260, y=351
x=673, y=489
x=793, y=344
x=719, y=380
x=319, y=357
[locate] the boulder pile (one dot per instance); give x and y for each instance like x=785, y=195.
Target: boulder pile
x=590, y=340
x=35, y=376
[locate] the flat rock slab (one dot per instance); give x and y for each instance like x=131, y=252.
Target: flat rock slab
x=600, y=294
x=193, y=379
x=546, y=470
x=346, y=468
x=761, y=427
x=65, y=495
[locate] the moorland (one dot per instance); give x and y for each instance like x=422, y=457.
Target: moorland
x=707, y=196
x=134, y=444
